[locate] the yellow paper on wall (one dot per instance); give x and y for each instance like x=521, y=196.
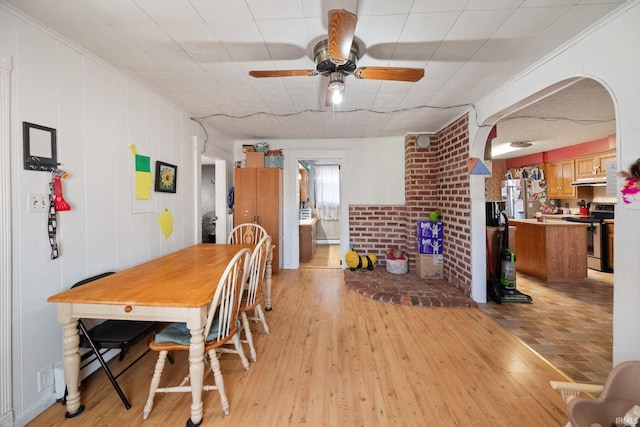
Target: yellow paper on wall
x=165, y=220
x=144, y=180
x=144, y=183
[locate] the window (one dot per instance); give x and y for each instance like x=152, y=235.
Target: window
x=327, y=191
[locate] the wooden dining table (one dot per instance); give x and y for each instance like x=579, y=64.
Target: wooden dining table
x=173, y=288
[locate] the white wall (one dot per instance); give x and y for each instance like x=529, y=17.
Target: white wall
x=377, y=167
x=606, y=53
x=98, y=114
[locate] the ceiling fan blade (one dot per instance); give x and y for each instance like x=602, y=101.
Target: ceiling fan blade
x=342, y=27
x=390, y=73
x=282, y=73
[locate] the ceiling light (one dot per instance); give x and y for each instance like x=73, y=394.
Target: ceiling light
x=336, y=97
x=336, y=82
x=508, y=147
x=521, y=144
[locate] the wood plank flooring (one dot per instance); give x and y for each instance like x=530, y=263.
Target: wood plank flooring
x=335, y=358
x=325, y=256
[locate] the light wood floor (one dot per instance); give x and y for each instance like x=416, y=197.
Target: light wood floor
x=335, y=358
x=325, y=256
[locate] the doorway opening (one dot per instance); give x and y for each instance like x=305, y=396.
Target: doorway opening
x=212, y=201
x=319, y=213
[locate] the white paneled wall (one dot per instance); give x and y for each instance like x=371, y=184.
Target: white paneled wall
x=98, y=114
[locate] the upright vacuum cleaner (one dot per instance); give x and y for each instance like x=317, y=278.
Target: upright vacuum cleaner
x=506, y=270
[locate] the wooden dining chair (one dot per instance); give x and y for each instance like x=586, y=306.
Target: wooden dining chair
x=253, y=295
x=251, y=233
x=248, y=233
x=221, y=327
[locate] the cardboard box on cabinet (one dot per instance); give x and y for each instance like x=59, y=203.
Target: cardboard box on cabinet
x=429, y=266
x=254, y=159
x=273, y=161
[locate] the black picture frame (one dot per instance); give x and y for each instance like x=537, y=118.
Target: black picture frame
x=166, y=177
x=39, y=145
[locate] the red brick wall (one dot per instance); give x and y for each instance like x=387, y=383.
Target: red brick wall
x=435, y=178
x=455, y=203
x=377, y=228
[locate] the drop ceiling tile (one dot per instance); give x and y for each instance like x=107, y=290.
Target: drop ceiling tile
x=422, y=27
x=222, y=10
x=246, y=32
x=494, y=4
x=117, y=11
x=478, y=25
x=384, y=7
x=275, y=9
x=526, y=23
x=197, y=36
x=284, y=32
x=176, y=11
x=422, y=6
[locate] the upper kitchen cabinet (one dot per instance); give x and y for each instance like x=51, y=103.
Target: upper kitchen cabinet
x=593, y=166
x=304, y=183
x=604, y=158
x=258, y=198
x=559, y=177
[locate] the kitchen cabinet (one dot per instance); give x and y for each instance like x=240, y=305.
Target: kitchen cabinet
x=609, y=224
x=587, y=167
x=307, y=234
x=304, y=184
x=553, y=251
x=602, y=161
x=559, y=177
x=258, y=198
x=593, y=166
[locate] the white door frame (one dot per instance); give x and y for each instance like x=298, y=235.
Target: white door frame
x=292, y=203
x=6, y=414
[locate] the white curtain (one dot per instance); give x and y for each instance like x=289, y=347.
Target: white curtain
x=327, y=189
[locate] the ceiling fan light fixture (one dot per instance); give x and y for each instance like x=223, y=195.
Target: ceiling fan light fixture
x=336, y=82
x=336, y=97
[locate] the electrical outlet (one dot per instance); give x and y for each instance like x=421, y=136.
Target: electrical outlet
x=45, y=378
x=37, y=203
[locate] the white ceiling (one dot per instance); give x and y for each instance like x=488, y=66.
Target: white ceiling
x=197, y=54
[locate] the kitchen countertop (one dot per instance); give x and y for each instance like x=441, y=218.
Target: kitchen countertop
x=308, y=221
x=548, y=223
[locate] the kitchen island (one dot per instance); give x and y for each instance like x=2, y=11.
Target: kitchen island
x=553, y=251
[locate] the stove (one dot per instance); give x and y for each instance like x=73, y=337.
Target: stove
x=596, y=234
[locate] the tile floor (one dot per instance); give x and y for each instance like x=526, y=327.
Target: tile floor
x=569, y=324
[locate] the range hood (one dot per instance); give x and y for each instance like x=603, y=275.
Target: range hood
x=590, y=182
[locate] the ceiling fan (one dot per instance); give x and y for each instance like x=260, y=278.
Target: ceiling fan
x=336, y=57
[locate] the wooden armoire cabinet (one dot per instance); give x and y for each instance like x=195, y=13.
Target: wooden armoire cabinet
x=258, y=198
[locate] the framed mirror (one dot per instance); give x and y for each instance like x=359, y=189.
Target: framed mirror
x=39, y=147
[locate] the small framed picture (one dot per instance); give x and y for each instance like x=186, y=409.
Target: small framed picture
x=166, y=177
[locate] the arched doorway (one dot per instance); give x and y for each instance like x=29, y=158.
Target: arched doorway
x=573, y=115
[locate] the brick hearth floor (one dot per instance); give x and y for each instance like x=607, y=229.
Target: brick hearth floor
x=407, y=289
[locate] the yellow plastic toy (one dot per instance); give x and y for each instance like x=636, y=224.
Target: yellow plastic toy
x=354, y=260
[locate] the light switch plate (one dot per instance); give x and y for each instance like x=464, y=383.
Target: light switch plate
x=37, y=203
